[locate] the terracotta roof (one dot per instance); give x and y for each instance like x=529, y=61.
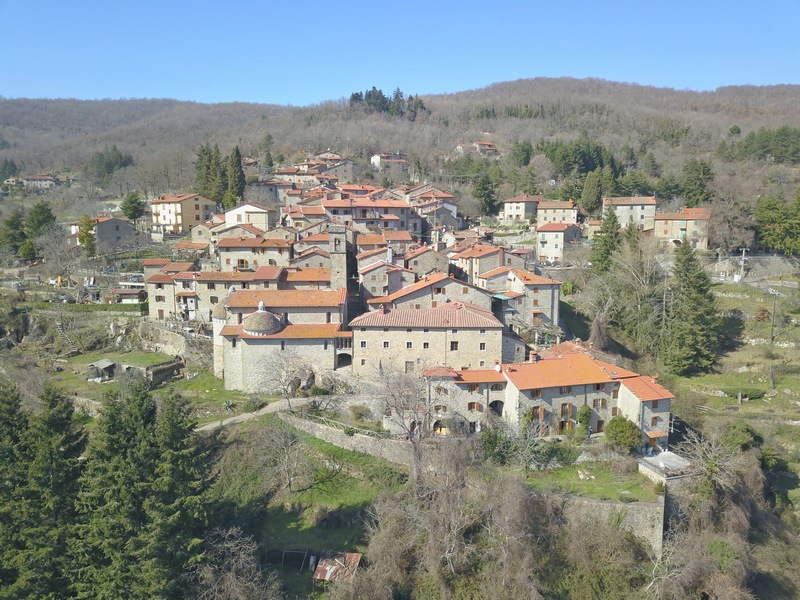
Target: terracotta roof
x=262, y=273
x=323, y=236
x=187, y=294
x=286, y=298
x=494, y=272
x=428, y=281
x=156, y=262
x=656, y=433
x=529, y=278
x=630, y=201
x=418, y=251
x=375, y=265
x=310, y=251
x=555, y=227
x=370, y=240
x=299, y=331
x=451, y=315
x=243, y=242
x=688, y=214
x=477, y=251
x=177, y=267
x=160, y=278
x=393, y=235
x=179, y=198
x=372, y=252
x=187, y=245
x=557, y=204
x=440, y=371
x=572, y=369
x=647, y=388
x=525, y=198
x=319, y=275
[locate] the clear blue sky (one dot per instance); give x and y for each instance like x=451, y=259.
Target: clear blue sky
x=302, y=53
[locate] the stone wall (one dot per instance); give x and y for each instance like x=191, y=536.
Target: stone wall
x=194, y=351
x=644, y=519
x=392, y=450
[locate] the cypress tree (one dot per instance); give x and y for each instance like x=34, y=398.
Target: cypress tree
x=39, y=219
x=201, y=167
x=46, y=505
x=592, y=192
x=12, y=234
x=606, y=241
x=236, y=178
x=692, y=326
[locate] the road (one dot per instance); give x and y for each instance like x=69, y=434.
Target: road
x=269, y=408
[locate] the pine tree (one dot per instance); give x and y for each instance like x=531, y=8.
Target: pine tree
x=692, y=325
x=176, y=509
x=13, y=425
x=122, y=459
x=38, y=220
x=12, y=234
x=486, y=192
x=606, y=241
x=133, y=207
x=46, y=506
x=201, y=166
x=697, y=179
x=86, y=236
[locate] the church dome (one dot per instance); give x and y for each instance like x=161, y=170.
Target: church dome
x=262, y=322
x=219, y=311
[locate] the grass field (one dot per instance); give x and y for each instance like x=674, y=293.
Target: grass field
x=599, y=482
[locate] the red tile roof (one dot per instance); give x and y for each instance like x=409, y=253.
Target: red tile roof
x=179, y=198
x=525, y=198
x=494, y=272
x=427, y=281
x=557, y=204
x=688, y=214
x=177, y=267
x=156, y=262
x=647, y=389
x=243, y=242
x=555, y=227
x=315, y=275
x=477, y=251
x=451, y=315
x=630, y=201
x=480, y=376
x=286, y=298
x=572, y=369
x=300, y=331
x=160, y=278
x=529, y=278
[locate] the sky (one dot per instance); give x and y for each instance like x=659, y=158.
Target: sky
x=302, y=53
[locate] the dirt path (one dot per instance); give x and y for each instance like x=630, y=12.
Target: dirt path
x=269, y=408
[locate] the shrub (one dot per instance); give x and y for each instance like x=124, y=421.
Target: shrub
x=316, y=390
x=360, y=412
x=623, y=434
x=659, y=488
x=752, y=393
x=254, y=404
x=584, y=415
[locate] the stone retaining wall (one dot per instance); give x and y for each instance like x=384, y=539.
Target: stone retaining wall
x=195, y=352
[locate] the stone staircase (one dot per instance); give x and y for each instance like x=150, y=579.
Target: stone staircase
x=67, y=340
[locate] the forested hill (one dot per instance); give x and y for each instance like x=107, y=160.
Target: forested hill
x=747, y=137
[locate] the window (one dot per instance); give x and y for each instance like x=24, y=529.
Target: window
x=482, y=346
x=363, y=361
x=476, y=406
x=615, y=394
x=482, y=331
x=596, y=403
x=408, y=330
x=160, y=298
x=519, y=301
x=186, y=285
x=655, y=404
x=654, y=422
x=536, y=393
x=453, y=346
x=283, y=345
x=426, y=345
x=614, y=411
x=212, y=286
x=214, y=299
x=438, y=290
x=455, y=331
x=409, y=345
x=566, y=410
x=536, y=302
x=473, y=388
x=565, y=389
x=535, y=290
x=233, y=343
x=465, y=290
x=385, y=344
x=426, y=330
x=159, y=286
x=599, y=387
x=363, y=343
x=440, y=408
x=497, y=387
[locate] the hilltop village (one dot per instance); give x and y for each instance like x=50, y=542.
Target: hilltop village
x=363, y=280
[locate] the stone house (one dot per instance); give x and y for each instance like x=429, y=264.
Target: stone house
x=455, y=333
x=690, y=225
x=645, y=402
x=638, y=210
x=425, y=260
x=382, y=278
x=519, y=210
x=243, y=253
x=432, y=291
x=555, y=211
x=553, y=238
x=180, y=212
x=110, y=233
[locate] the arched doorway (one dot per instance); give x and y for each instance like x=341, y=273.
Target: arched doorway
x=343, y=360
x=496, y=407
x=439, y=428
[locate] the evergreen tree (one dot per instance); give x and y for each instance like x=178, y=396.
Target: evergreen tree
x=46, y=506
x=86, y=237
x=486, y=192
x=691, y=329
x=528, y=182
x=216, y=178
x=697, y=179
x=13, y=427
x=606, y=241
x=133, y=207
x=12, y=234
x=631, y=235
x=201, y=169
x=176, y=509
x=38, y=220
x=591, y=195
x=236, y=179
x=106, y=552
